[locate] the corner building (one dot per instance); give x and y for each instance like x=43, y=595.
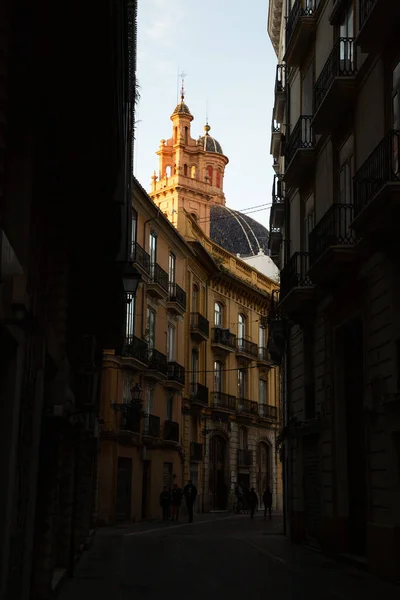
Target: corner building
x=334, y=233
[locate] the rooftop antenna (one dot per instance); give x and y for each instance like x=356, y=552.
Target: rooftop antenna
x=206, y=111
x=177, y=85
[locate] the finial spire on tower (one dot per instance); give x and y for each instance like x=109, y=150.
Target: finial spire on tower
x=182, y=76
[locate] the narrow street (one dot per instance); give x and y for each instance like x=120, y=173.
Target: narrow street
x=218, y=556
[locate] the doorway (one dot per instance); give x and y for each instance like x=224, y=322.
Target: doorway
x=263, y=467
x=124, y=489
x=218, y=486
x=146, y=487
x=353, y=382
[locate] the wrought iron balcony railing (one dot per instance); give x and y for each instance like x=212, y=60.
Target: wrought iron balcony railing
x=301, y=137
x=222, y=400
x=176, y=294
x=247, y=347
x=158, y=361
x=200, y=323
x=294, y=274
x=171, y=431
x=223, y=337
x=152, y=426
x=277, y=190
x=135, y=348
x=199, y=393
x=140, y=256
x=263, y=354
x=332, y=230
x=267, y=411
x=196, y=452
x=275, y=126
x=176, y=372
x=380, y=168
x=342, y=62
x=245, y=458
x=280, y=78
x=248, y=407
x=159, y=276
x=301, y=8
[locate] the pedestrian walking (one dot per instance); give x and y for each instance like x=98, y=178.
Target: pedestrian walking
x=190, y=493
x=267, y=499
x=176, y=501
x=165, y=501
x=253, y=502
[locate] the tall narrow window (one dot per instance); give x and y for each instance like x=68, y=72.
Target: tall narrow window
x=186, y=135
x=133, y=234
x=243, y=439
x=218, y=377
x=241, y=383
x=171, y=267
x=168, y=171
x=309, y=220
x=218, y=316
x=210, y=175
x=175, y=135
x=148, y=404
x=153, y=251
x=262, y=397
x=218, y=178
x=171, y=342
x=195, y=297
x=261, y=337
x=195, y=366
x=185, y=170
x=130, y=317
x=170, y=406
x=241, y=331
x=151, y=327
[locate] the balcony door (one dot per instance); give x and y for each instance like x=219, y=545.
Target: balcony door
x=130, y=317
x=152, y=251
x=171, y=342
x=171, y=268
x=151, y=328
x=242, y=383
x=218, y=386
x=195, y=367
x=195, y=297
x=241, y=331
x=346, y=40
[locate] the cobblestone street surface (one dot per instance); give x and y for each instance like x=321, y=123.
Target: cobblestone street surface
x=218, y=556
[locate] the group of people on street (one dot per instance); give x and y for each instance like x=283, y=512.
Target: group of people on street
x=249, y=499
x=171, y=500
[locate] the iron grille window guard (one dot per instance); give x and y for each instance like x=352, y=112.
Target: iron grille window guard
x=294, y=274
x=159, y=276
x=158, y=361
x=199, y=392
x=152, y=426
x=222, y=400
x=342, y=62
x=334, y=229
x=248, y=407
x=197, y=321
x=135, y=348
x=196, y=451
x=140, y=256
x=176, y=372
x=301, y=137
x=268, y=411
x=381, y=167
x=247, y=347
x=224, y=337
x=245, y=458
x=171, y=431
x=176, y=294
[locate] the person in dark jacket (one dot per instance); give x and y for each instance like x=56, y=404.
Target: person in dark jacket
x=176, y=501
x=267, y=499
x=165, y=501
x=253, y=502
x=190, y=493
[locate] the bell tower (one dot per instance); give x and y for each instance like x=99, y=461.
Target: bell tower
x=191, y=172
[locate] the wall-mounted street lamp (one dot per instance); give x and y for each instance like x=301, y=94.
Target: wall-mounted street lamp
x=131, y=279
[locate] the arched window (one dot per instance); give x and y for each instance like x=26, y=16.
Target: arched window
x=168, y=171
x=195, y=298
x=210, y=175
x=241, y=330
x=243, y=439
x=195, y=366
x=194, y=216
x=175, y=135
x=218, y=314
x=218, y=178
x=185, y=170
x=193, y=172
x=186, y=135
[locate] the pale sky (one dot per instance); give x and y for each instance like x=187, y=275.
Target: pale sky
x=224, y=48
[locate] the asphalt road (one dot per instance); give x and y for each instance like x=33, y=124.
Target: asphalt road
x=213, y=559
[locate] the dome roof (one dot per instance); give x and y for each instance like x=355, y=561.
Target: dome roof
x=182, y=109
x=208, y=143
x=236, y=232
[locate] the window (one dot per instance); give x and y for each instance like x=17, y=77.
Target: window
x=195, y=297
x=171, y=342
x=309, y=220
x=241, y=383
x=262, y=391
x=126, y=392
x=170, y=406
x=345, y=183
x=195, y=365
x=218, y=316
x=262, y=343
x=193, y=172
x=218, y=376
x=210, y=175
x=151, y=327
x=186, y=136
x=130, y=315
x=153, y=249
x=148, y=404
x=168, y=171
x=171, y=268
x=133, y=231
x=185, y=170
x=218, y=178
x=243, y=439
x=175, y=135
x=241, y=328
x=346, y=29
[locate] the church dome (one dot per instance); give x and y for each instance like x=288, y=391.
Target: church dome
x=208, y=143
x=236, y=232
x=182, y=109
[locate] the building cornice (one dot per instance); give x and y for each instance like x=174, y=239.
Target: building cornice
x=274, y=22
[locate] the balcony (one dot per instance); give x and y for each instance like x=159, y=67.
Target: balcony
x=136, y=351
x=297, y=290
x=175, y=376
x=378, y=24
x=247, y=408
x=246, y=349
x=275, y=241
x=158, y=284
x=277, y=214
x=267, y=411
x=130, y=419
x=171, y=432
x=245, y=458
x=299, y=152
x=157, y=365
x=332, y=243
x=199, y=327
x=276, y=138
x=176, y=303
x=140, y=258
x=151, y=427
x=300, y=30
x=280, y=93
x=335, y=89
x=222, y=401
x=198, y=394
x=223, y=339
x=377, y=188
x=196, y=452
x=264, y=358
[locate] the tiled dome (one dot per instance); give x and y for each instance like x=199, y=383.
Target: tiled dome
x=209, y=144
x=236, y=232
